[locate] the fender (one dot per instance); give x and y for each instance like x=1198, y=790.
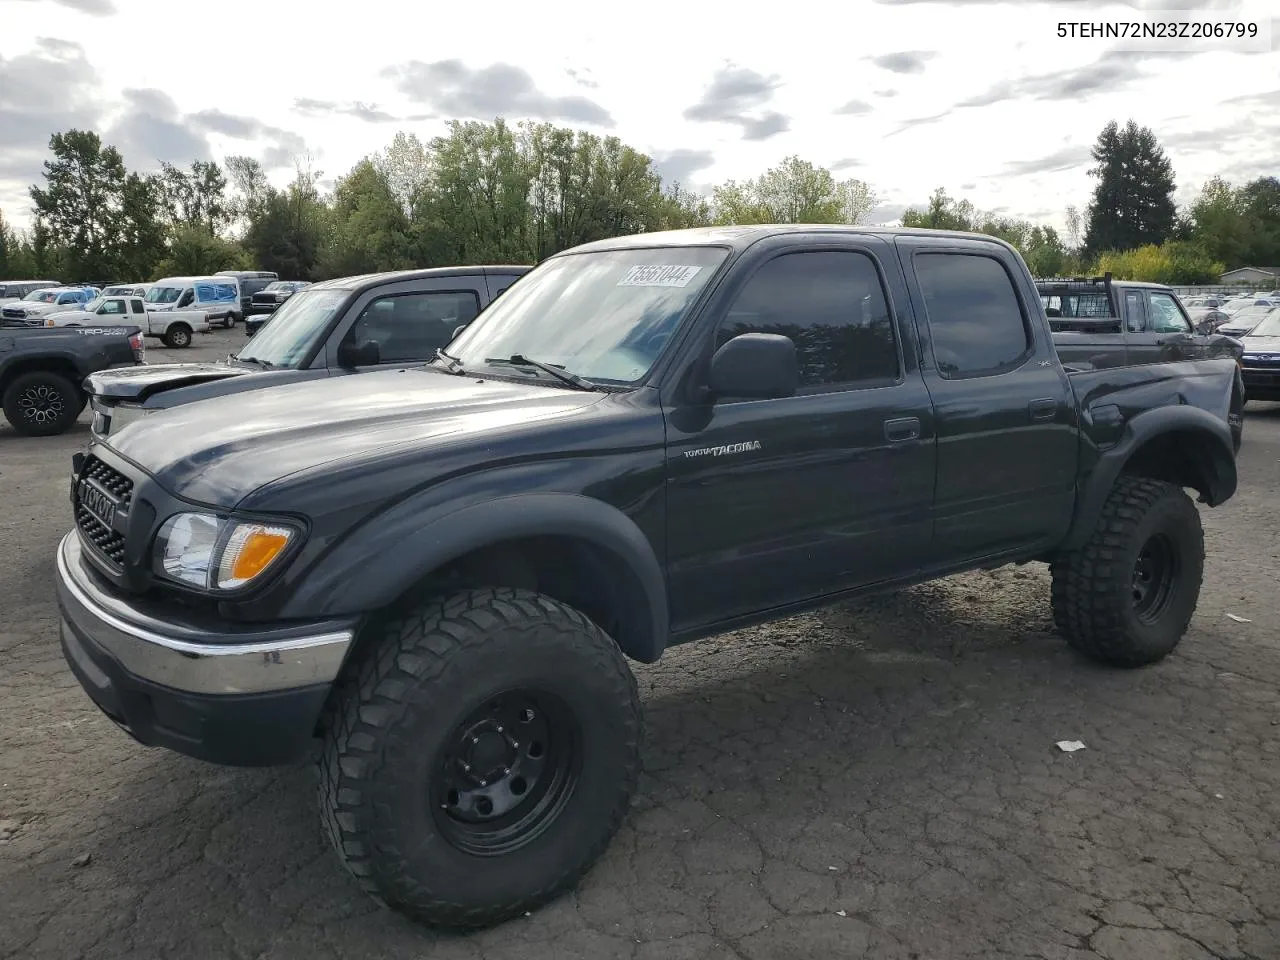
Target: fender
x=1218, y=460
x=377, y=564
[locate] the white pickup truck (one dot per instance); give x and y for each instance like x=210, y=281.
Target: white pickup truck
x=173, y=327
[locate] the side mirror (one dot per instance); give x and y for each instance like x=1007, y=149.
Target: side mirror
x=757, y=366
x=364, y=354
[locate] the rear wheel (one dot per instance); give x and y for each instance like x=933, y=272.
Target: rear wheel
x=42, y=404
x=1127, y=596
x=480, y=757
x=177, y=336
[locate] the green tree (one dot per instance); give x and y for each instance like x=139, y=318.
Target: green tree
x=81, y=202
x=252, y=189
x=1260, y=200
x=477, y=207
x=679, y=209
x=140, y=232
x=8, y=250
x=1218, y=223
x=1132, y=204
x=1045, y=253
x=289, y=232
x=943, y=213
x=795, y=191
x=195, y=198
x=370, y=230
x=1173, y=262
x=405, y=164
x=194, y=251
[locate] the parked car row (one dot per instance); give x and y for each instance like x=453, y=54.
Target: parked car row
x=41, y=302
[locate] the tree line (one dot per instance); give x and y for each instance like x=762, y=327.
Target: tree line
x=517, y=193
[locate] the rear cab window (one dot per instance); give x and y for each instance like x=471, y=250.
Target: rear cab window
x=977, y=325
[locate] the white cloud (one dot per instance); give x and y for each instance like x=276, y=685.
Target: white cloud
x=978, y=96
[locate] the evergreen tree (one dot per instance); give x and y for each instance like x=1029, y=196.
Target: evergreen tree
x=1132, y=205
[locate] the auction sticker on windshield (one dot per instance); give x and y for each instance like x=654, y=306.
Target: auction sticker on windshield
x=659, y=275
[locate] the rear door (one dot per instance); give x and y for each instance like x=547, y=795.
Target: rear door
x=1005, y=415
x=409, y=321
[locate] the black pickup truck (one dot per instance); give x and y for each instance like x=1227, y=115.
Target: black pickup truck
x=1099, y=322
x=351, y=325
x=438, y=572
x=41, y=370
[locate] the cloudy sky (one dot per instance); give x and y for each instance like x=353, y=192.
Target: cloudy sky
x=978, y=96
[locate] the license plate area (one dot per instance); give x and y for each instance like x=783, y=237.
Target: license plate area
x=100, y=504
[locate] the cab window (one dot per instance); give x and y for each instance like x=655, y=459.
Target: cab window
x=1166, y=316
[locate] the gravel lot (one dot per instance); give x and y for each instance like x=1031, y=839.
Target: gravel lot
x=876, y=780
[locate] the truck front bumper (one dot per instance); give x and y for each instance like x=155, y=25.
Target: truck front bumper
x=244, y=697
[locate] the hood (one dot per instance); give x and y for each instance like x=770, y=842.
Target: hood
x=219, y=451
x=1256, y=345
x=72, y=316
x=139, y=383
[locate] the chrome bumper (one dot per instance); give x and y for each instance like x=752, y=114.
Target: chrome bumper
x=189, y=658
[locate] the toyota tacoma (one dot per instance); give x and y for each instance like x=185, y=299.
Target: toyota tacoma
x=437, y=572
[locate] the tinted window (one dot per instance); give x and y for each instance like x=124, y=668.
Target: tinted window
x=832, y=307
x=1165, y=315
x=137, y=306
x=975, y=320
x=1135, y=311
x=412, y=326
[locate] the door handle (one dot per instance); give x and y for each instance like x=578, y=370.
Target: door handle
x=1045, y=409
x=908, y=428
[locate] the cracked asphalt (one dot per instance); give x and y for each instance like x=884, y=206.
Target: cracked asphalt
x=873, y=780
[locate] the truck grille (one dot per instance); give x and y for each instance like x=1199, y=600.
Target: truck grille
x=107, y=542
x=13, y=313
x=263, y=299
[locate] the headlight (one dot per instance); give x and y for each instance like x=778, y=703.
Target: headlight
x=217, y=553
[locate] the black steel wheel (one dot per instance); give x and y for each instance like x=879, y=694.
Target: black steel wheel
x=1155, y=578
x=1127, y=596
x=42, y=404
x=479, y=756
x=507, y=772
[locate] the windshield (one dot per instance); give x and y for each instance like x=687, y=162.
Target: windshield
x=294, y=328
x=163, y=294
x=604, y=316
x=42, y=296
x=93, y=304
x=1270, y=325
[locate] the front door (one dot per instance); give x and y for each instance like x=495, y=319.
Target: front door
x=408, y=327
x=772, y=502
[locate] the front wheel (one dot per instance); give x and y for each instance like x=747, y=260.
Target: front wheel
x=1127, y=596
x=480, y=757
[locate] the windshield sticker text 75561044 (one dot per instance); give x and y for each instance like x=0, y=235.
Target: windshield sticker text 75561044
x=659, y=275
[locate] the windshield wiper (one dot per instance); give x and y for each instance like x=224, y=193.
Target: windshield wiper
x=451, y=364
x=520, y=360
x=264, y=364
